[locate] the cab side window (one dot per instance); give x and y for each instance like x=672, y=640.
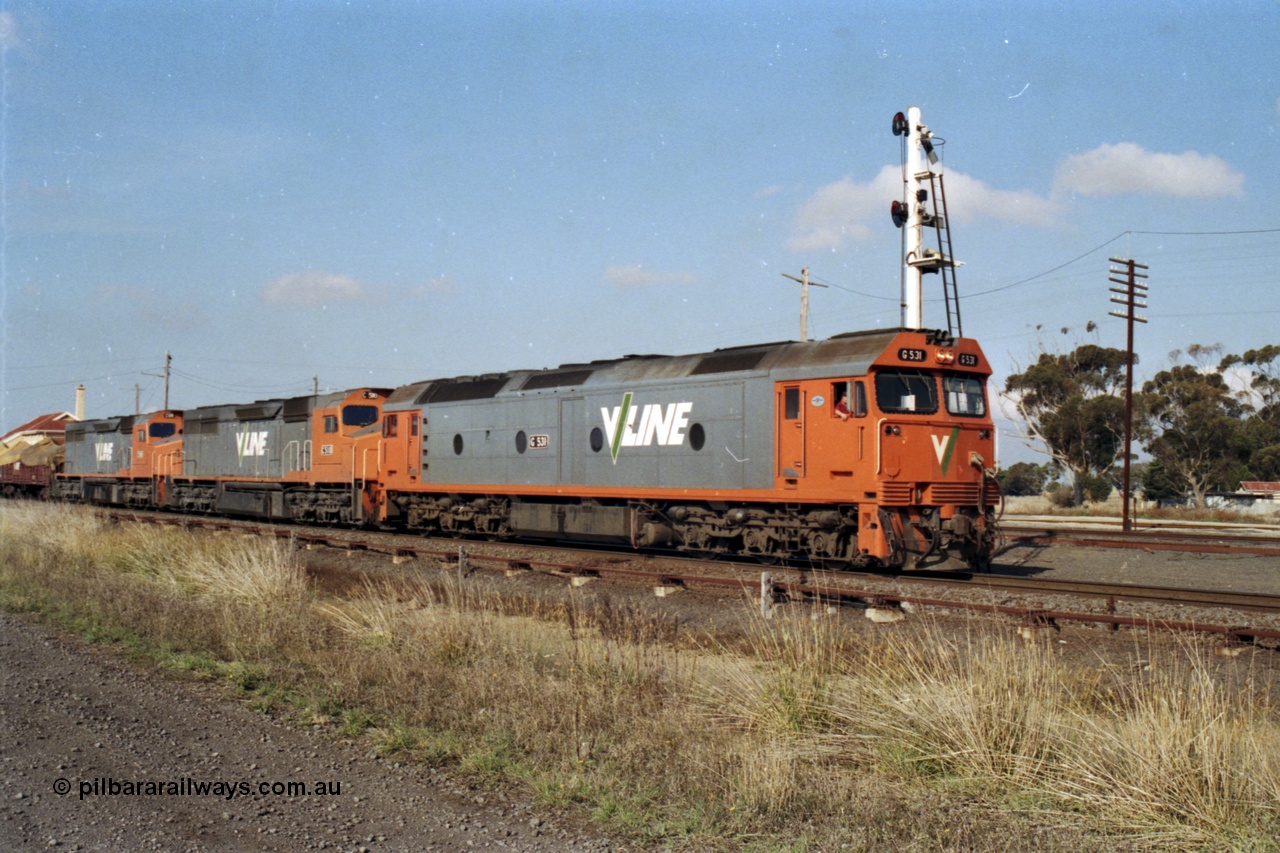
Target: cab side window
x=848, y=399
x=791, y=404
x=859, y=399
x=330, y=423
x=840, y=400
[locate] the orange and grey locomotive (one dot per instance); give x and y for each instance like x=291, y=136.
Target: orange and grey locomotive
x=866, y=448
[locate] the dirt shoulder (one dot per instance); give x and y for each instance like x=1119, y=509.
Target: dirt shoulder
x=79, y=718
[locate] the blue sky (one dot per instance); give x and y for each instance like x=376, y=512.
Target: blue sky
x=375, y=193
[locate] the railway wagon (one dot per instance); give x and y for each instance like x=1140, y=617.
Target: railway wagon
x=27, y=471
x=869, y=447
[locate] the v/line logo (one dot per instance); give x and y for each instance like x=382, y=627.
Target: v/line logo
x=104, y=450
x=944, y=446
x=659, y=424
x=251, y=443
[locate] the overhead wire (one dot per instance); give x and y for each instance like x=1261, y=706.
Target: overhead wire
x=231, y=386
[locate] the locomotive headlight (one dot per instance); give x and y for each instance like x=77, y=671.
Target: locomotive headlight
x=945, y=356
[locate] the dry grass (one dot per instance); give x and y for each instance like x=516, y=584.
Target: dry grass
x=808, y=734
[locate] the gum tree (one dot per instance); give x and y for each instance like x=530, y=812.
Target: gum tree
x=1262, y=427
x=1195, y=430
x=1073, y=405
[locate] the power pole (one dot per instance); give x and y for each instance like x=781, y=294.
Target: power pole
x=1133, y=294
x=805, y=284
x=315, y=386
x=168, y=359
x=137, y=399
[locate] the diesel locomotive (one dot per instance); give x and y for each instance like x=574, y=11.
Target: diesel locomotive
x=865, y=448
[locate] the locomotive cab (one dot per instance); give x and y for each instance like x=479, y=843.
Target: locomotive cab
x=935, y=439
x=904, y=446
x=344, y=435
x=157, y=445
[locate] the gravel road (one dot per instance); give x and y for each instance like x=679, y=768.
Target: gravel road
x=81, y=719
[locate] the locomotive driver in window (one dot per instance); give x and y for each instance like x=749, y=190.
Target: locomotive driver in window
x=842, y=399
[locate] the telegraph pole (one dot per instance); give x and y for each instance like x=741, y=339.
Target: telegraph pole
x=168, y=359
x=805, y=284
x=1133, y=295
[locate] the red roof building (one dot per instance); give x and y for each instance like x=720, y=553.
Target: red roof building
x=45, y=426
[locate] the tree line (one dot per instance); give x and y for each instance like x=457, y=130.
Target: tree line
x=1202, y=434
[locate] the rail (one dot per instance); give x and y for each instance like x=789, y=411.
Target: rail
x=835, y=587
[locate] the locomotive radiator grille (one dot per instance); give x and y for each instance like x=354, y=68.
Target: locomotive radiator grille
x=953, y=493
x=897, y=494
x=905, y=494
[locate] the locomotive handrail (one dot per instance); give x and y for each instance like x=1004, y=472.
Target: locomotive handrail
x=287, y=454
x=298, y=452
x=879, y=455
x=166, y=461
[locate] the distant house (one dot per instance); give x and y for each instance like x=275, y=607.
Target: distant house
x=51, y=426
x=30, y=454
x=1253, y=496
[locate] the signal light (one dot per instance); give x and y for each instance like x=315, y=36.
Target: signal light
x=898, y=213
x=900, y=125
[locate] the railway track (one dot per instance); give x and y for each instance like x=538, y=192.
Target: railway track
x=1045, y=601
x=1150, y=535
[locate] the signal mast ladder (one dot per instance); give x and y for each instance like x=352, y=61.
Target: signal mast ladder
x=940, y=260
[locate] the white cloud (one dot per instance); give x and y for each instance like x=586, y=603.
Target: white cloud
x=969, y=199
x=845, y=212
x=841, y=213
x=9, y=36
x=312, y=288
x=636, y=276
x=1129, y=168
